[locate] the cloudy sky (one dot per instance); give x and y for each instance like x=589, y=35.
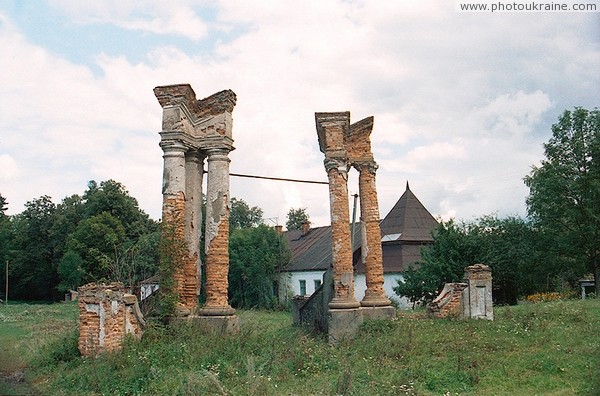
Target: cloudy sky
x=462, y=101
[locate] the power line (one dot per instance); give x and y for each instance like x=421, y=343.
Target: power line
x=278, y=179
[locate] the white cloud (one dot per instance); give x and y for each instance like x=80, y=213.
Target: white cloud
x=9, y=169
x=461, y=102
x=158, y=17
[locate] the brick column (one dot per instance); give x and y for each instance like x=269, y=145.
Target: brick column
x=343, y=272
x=174, y=216
x=217, y=234
x=371, y=247
x=194, y=164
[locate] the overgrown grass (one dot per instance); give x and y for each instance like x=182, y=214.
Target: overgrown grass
x=549, y=348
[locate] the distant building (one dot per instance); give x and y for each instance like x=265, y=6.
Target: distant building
x=404, y=231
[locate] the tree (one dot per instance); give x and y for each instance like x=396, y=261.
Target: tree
x=444, y=261
x=255, y=254
x=98, y=240
x=243, y=216
x=510, y=246
x=112, y=197
x=564, y=191
x=34, y=267
x=70, y=271
x=6, y=239
x=296, y=217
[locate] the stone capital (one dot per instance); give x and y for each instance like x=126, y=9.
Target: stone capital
x=366, y=166
x=173, y=147
x=218, y=154
x=336, y=163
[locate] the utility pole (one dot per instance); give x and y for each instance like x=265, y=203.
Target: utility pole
x=6, y=288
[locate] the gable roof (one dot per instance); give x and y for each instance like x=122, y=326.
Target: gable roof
x=311, y=251
x=408, y=220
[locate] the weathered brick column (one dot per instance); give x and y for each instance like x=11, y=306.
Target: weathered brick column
x=106, y=315
x=194, y=164
x=217, y=234
x=331, y=128
x=371, y=251
x=360, y=155
x=174, y=214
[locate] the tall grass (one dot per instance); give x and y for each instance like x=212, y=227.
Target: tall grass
x=549, y=348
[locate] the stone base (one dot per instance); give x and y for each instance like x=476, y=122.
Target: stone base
x=219, y=325
x=385, y=313
x=343, y=324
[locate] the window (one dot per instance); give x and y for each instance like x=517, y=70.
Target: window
x=302, y=287
x=317, y=284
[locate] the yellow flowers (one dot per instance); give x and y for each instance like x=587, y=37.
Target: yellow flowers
x=549, y=296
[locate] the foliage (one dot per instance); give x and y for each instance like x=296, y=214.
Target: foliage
x=296, y=217
x=70, y=271
x=171, y=252
x=6, y=240
x=95, y=240
x=564, y=192
x=443, y=261
x=243, y=216
x=546, y=348
x=105, y=228
x=255, y=254
x=510, y=246
x=33, y=270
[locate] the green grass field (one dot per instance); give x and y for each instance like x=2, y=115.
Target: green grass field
x=550, y=348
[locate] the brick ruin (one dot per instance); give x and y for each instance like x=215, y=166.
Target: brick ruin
x=469, y=299
x=106, y=315
x=348, y=145
x=194, y=131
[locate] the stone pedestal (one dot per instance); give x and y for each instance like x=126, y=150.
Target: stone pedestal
x=218, y=325
x=383, y=312
x=343, y=324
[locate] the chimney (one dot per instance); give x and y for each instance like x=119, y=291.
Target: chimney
x=305, y=227
x=279, y=229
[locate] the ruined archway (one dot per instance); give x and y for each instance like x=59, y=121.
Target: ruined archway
x=194, y=131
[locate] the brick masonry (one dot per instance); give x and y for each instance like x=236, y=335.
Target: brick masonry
x=106, y=315
x=469, y=299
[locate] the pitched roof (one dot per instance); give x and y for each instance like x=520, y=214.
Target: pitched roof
x=408, y=220
x=311, y=251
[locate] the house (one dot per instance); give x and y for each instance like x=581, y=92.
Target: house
x=404, y=231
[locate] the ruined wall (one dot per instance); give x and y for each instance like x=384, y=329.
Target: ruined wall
x=449, y=303
x=470, y=299
x=106, y=315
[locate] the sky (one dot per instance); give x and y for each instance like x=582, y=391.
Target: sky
x=462, y=102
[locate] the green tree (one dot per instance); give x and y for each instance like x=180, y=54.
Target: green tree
x=296, y=217
x=98, y=240
x=510, y=246
x=6, y=240
x=444, y=261
x=112, y=197
x=564, y=191
x=70, y=271
x=255, y=254
x=241, y=215
x=34, y=267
